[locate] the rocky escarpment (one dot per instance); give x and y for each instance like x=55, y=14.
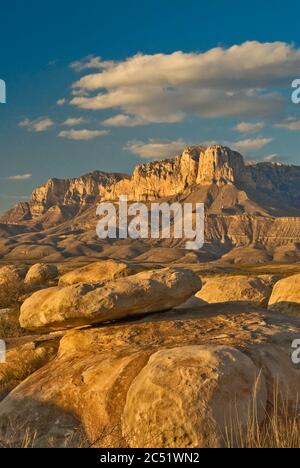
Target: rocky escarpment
x=64, y=197
x=218, y=175
x=245, y=204
x=196, y=166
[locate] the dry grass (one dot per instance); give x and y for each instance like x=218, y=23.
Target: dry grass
x=9, y=324
x=280, y=429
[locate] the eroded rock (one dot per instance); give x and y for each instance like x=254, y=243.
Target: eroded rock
x=285, y=297
x=188, y=397
x=41, y=274
x=236, y=289
x=91, y=386
x=98, y=272
x=81, y=304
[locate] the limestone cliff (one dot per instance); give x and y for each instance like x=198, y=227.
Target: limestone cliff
x=67, y=196
x=246, y=204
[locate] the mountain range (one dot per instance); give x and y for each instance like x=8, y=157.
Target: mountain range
x=252, y=211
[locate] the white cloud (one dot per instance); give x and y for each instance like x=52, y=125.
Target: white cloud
x=122, y=120
x=250, y=144
x=71, y=122
x=20, y=177
x=220, y=82
x=82, y=134
x=248, y=127
x=156, y=148
x=291, y=123
x=39, y=125
x=89, y=62
x=61, y=102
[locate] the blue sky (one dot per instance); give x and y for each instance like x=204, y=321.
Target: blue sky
x=179, y=90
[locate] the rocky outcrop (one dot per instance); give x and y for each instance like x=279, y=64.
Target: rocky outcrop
x=98, y=273
x=159, y=179
x=219, y=164
x=69, y=196
x=23, y=360
x=41, y=274
x=81, y=304
x=178, y=399
x=285, y=297
x=236, y=289
x=190, y=367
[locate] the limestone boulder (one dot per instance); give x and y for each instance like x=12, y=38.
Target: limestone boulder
x=188, y=397
x=98, y=273
x=41, y=274
x=285, y=296
x=254, y=290
x=82, y=304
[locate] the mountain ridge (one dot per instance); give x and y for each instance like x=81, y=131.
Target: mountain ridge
x=256, y=205
x=214, y=166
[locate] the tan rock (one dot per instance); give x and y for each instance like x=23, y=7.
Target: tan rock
x=11, y=285
x=218, y=164
x=83, y=399
x=81, y=304
x=187, y=397
x=285, y=297
x=235, y=289
x=84, y=390
x=41, y=274
x=23, y=360
x=98, y=273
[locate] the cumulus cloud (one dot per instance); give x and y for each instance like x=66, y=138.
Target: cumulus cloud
x=156, y=148
x=84, y=135
x=89, y=62
x=20, y=177
x=39, y=125
x=71, y=122
x=167, y=87
x=291, y=123
x=248, y=127
x=61, y=102
x=250, y=144
x=122, y=120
